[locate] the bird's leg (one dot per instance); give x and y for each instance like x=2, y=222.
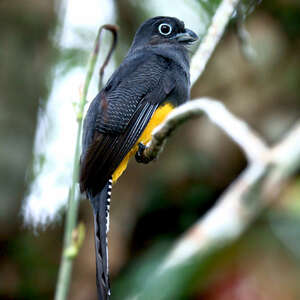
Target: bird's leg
x=139, y=156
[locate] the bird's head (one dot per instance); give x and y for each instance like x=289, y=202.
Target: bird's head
x=161, y=30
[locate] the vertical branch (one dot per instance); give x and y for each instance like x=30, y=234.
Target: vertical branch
x=68, y=255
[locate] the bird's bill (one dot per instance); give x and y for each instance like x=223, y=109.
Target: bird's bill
x=188, y=36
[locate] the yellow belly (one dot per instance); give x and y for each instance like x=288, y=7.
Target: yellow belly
x=157, y=118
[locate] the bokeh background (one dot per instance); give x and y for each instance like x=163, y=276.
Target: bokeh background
x=44, y=46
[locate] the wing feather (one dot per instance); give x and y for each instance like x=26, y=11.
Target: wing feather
x=108, y=150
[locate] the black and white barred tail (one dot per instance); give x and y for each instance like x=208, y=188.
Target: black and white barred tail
x=101, y=207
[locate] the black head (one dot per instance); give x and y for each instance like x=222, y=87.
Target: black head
x=160, y=30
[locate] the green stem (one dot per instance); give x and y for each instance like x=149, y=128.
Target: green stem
x=65, y=270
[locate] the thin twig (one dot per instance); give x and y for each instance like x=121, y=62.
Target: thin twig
x=114, y=31
x=63, y=282
x=244, y=37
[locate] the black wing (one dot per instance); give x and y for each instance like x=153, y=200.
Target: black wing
x=118, y=116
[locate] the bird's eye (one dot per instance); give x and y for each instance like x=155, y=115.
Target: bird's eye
x=165, y=29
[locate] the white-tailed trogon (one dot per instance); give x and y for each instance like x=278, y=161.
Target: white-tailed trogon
x=152, y=79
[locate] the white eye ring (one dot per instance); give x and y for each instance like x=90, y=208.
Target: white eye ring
x=160, y=27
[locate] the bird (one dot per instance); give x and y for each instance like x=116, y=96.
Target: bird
x=151, y=81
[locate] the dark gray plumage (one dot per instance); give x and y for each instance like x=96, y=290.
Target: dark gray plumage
x=155, y=71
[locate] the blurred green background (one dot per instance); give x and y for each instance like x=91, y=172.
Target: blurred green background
x=152, y=205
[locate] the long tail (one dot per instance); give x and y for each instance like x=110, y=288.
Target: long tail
x=101, y=204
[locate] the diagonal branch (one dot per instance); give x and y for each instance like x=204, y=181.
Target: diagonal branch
x=257, y=187
x=212, y=38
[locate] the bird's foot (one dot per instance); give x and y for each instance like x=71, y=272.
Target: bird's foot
x=139, y=156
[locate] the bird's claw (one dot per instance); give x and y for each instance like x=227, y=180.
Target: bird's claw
x=139, y=156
